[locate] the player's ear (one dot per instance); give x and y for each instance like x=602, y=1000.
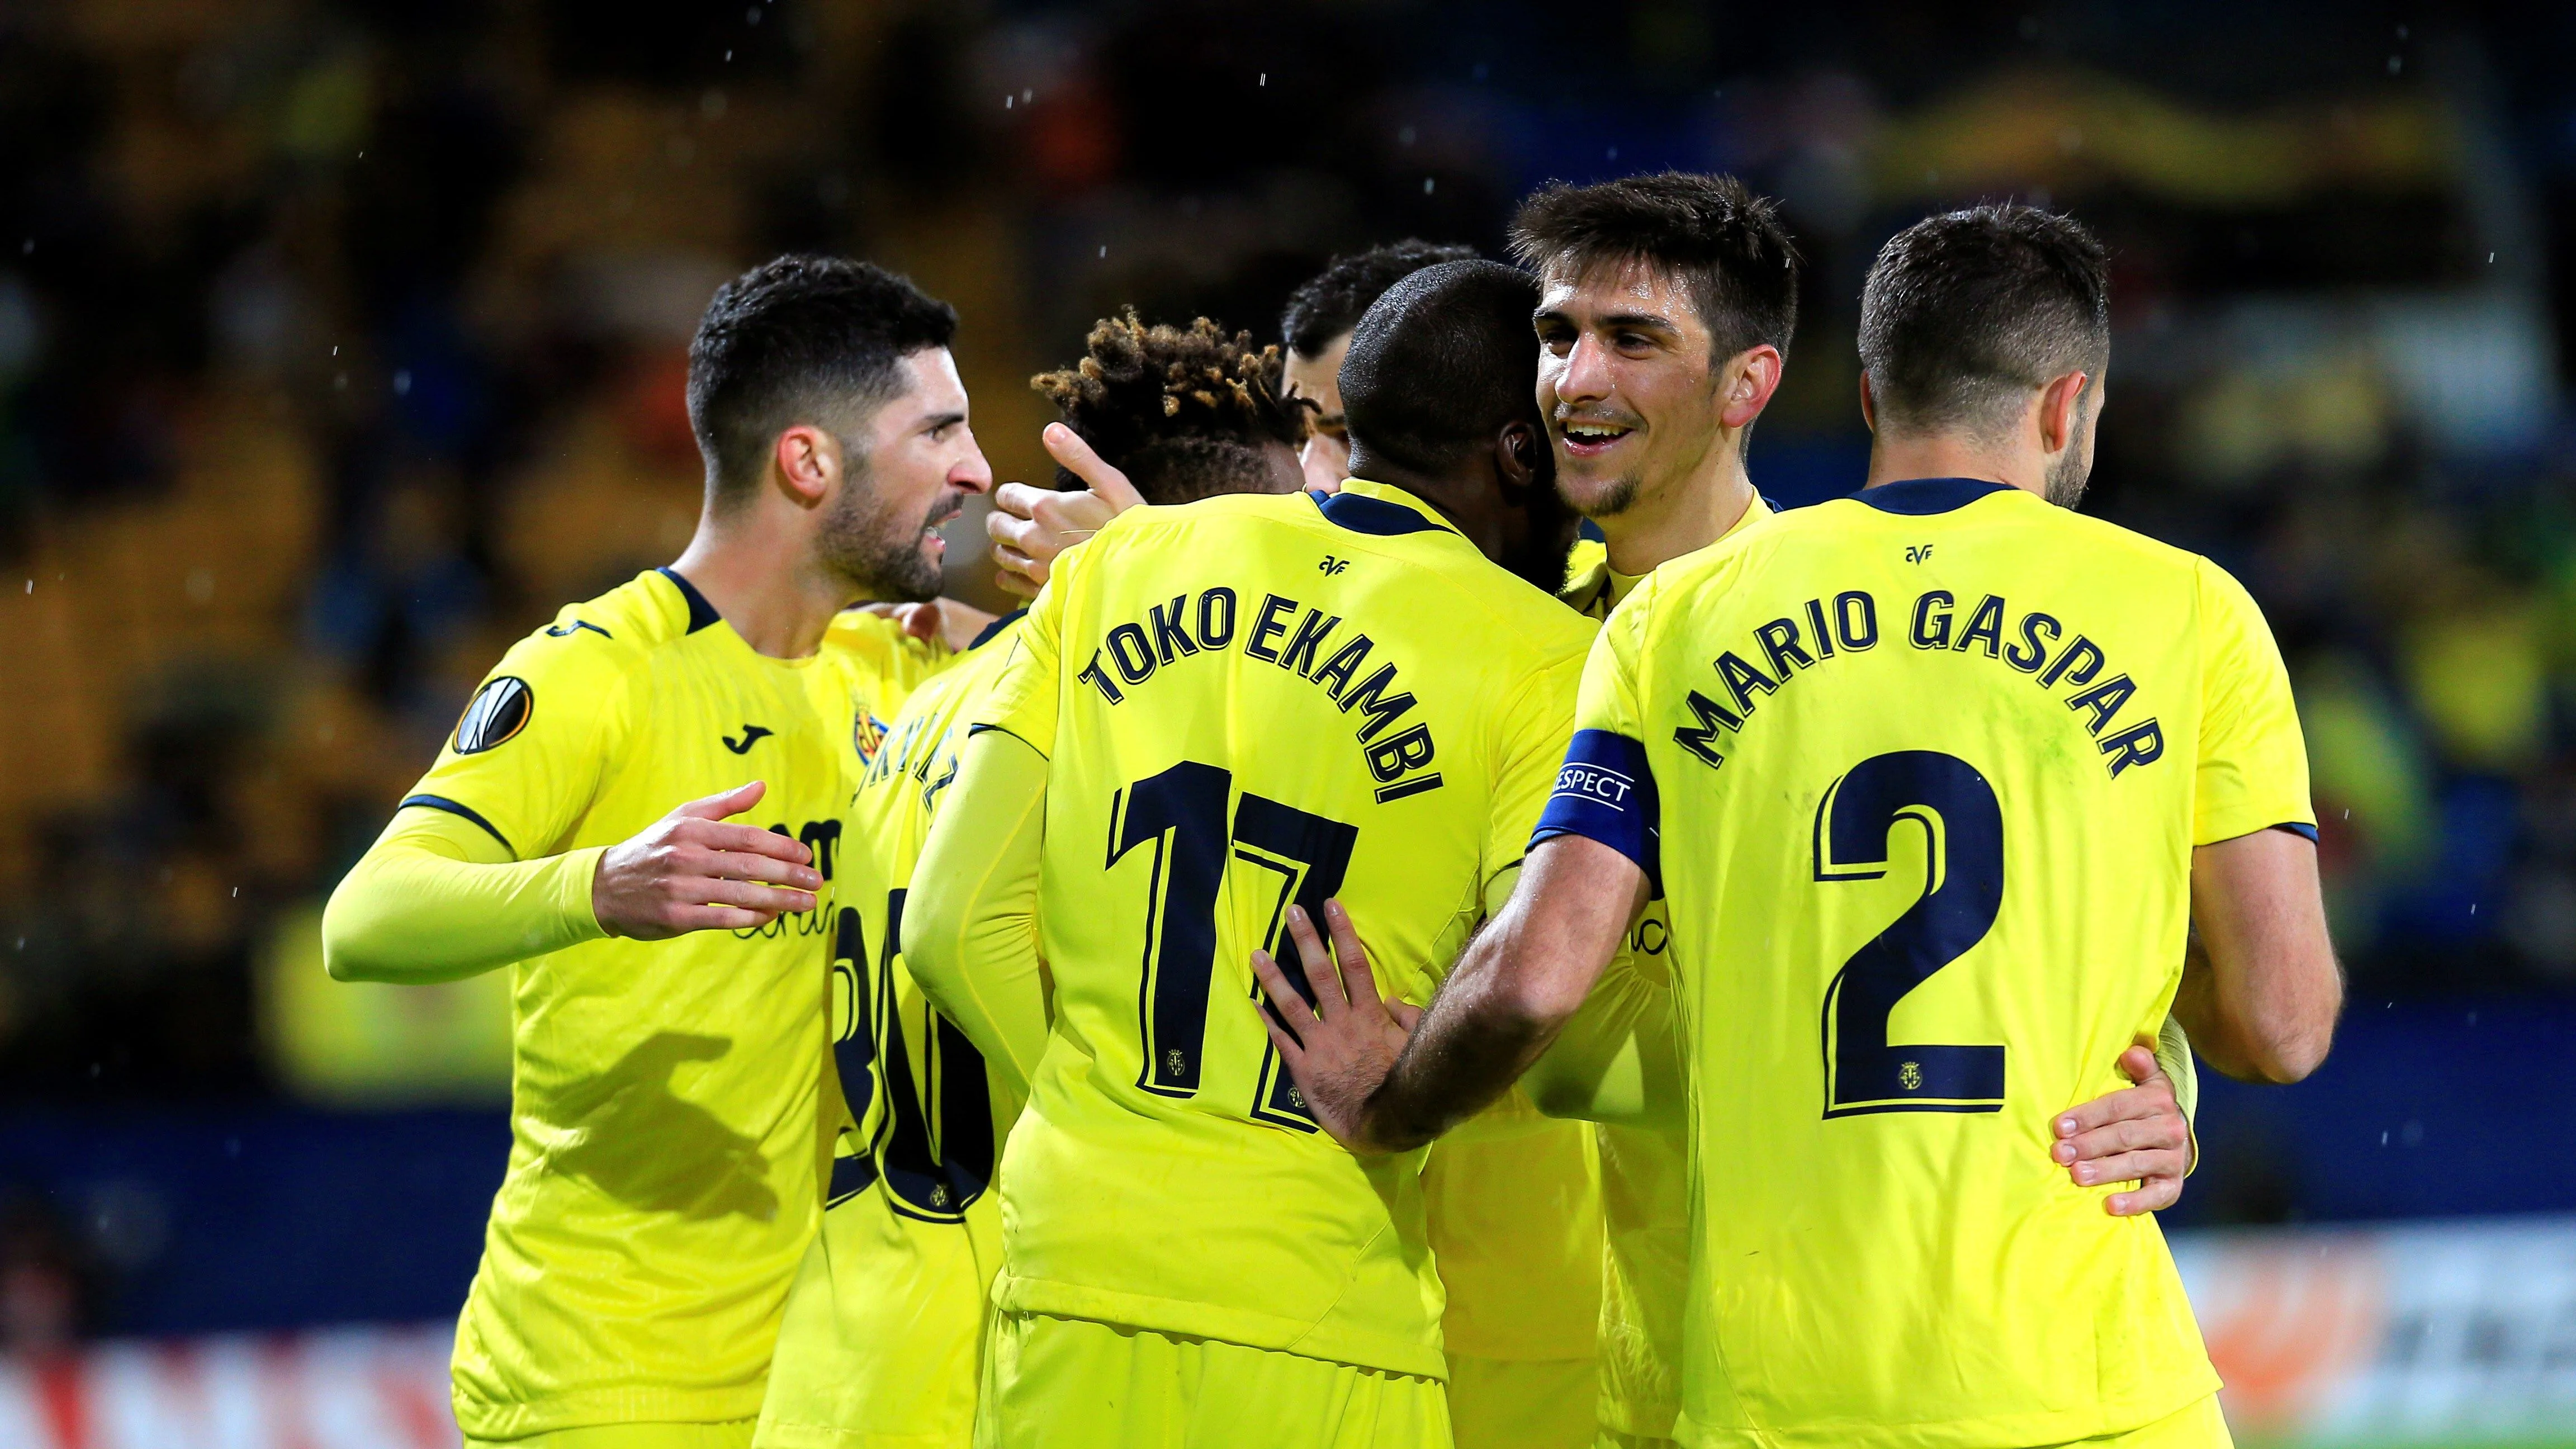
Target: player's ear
x=1520, y=459
x=1751, y=377
x=2058, y=410
x=805, y=461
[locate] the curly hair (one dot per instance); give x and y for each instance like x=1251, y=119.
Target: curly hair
x=1183, y=412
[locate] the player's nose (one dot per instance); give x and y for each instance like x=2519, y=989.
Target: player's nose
x=971, y=473
x=1586, y=376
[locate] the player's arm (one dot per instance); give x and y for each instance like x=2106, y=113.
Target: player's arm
x=970, y=920
x=1618, y=1060
x=1378, y=1089
x=2260, y=987
x=439, y=897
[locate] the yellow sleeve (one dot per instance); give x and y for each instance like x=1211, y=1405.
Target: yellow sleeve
x=1531, y=750
x=2253, y=768
x=1023, y=700
x=970, y=921
x=1619, y=1060
x=1608, y=697
x=437, y=898
x=543, y=732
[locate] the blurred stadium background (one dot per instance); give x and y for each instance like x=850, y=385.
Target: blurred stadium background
x=340, y=340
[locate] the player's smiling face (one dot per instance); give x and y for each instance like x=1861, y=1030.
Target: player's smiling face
x=921, y=463
x=1627, y=384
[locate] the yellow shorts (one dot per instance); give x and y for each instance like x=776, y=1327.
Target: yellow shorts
x=731, y=1434
x=882, y=1344
x=2201, y=1426
x=1497, y=1403
x=1068, y=1383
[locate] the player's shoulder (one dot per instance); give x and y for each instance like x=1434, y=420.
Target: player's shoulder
x=614, y=633
x=973, y=670
x=875, y=646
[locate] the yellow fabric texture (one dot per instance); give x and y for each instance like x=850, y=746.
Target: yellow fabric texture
x=663, y=1172
x=1519, y=1403
x=883, y=1340
x=731, y=1434
x=1069, y=1383
x=1641, y=1163
x=2199, y=1425
x=1883, y=1252
x=1245, y=702
x=438, y=897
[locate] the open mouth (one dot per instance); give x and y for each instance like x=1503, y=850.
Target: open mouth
x=1591, y=437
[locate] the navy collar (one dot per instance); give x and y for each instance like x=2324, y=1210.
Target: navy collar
x=996, y=627
x=1361, y=513
x=1921, y=497
x=701, y=613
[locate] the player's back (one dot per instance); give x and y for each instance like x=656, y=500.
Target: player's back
x=1932, y=762
x=1248, y=702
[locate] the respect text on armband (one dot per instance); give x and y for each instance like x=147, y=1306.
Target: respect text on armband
x=2027, y=641
x=1307, y=642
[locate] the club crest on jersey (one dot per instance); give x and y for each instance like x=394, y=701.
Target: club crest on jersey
x=868, y=734
x=498, y=711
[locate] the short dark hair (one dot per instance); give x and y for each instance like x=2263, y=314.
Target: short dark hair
x=1184, y=412
x=801, y=339
x=1441, y=363
x=1964, y=312
x=1333, y=301
x=1711, y=231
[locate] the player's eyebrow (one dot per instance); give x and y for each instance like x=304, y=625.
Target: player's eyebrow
x=1646, y=320
x=936, y=421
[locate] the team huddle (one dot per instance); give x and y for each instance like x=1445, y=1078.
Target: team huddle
x=1448, y=919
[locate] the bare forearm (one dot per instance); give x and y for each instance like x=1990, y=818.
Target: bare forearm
x=1471, y=1046
x=2260, y=989
x=1518, y=984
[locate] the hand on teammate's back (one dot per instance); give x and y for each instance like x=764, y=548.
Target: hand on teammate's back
x=2138, y=1134
x=1030, y=526
x=689, y=871
x=950, y=622
x=1347, y=1042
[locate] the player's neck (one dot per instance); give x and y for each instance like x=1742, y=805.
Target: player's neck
x=1949, y=455
x=766, y=587
x=1657, y=529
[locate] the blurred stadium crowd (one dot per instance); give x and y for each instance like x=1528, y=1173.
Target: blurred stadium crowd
x=340, y=342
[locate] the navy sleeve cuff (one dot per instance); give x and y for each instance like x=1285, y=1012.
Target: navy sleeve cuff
x=1605, y=792
x=2307, y=833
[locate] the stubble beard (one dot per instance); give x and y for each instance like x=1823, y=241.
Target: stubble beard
x=861, y=544
x=2068, y=476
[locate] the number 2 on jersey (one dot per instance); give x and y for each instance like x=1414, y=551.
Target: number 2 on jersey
x=1962, y=890
x=1181, y=813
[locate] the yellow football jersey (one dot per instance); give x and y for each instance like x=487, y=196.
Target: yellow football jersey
x=665, y=1096
x=884, y=1330
x=1645, y=1206
x=1247, y=702
x=1933, y=761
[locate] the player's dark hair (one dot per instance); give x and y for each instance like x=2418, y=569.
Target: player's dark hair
x=1965, y=313
x=1710, y=231
x=1184, y=412
x=800, y=340
x=1332, y=302
x=1441, y=363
